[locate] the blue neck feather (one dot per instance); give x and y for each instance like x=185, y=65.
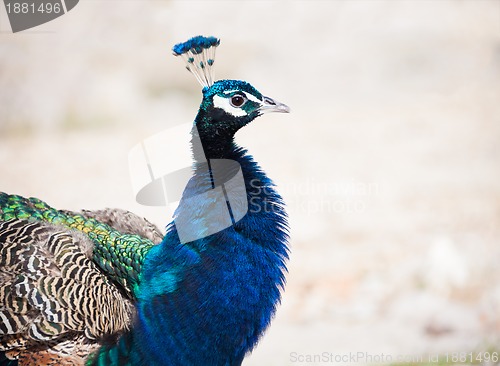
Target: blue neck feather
x=208, y=301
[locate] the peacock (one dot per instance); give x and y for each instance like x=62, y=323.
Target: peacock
x=107, y=288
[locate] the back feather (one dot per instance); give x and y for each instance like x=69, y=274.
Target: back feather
x=51, y=291
x=119, y=255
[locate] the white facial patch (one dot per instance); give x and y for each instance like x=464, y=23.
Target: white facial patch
x=249, y=96
x=223, y=103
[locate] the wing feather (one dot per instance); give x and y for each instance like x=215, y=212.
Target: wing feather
x=52, y=293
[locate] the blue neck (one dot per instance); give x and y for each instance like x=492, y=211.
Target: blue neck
x=208, y=301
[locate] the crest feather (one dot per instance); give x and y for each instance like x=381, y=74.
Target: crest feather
x=199, y=54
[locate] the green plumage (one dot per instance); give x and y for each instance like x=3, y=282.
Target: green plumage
x=119, y=255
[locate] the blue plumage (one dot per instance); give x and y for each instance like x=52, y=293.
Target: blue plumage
x=208, y=301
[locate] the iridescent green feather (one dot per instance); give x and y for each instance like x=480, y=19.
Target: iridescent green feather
x=119, y=255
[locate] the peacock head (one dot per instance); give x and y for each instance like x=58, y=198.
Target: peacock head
x=227, y=105
x=231, y=104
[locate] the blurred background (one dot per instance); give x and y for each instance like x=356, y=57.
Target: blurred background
x=389, y=163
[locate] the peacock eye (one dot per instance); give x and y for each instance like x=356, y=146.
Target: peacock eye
x=238, y=100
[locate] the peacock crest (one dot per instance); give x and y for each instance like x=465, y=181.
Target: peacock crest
x=199, y=54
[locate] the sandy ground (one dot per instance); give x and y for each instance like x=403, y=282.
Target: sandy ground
x=389, y=162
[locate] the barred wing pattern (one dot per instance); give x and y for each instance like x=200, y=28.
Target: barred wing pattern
x=118, y=254
x=54, y=301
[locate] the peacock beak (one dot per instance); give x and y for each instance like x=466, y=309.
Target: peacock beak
x=271, y=105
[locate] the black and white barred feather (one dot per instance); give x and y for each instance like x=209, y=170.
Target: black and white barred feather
x=53, y=298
